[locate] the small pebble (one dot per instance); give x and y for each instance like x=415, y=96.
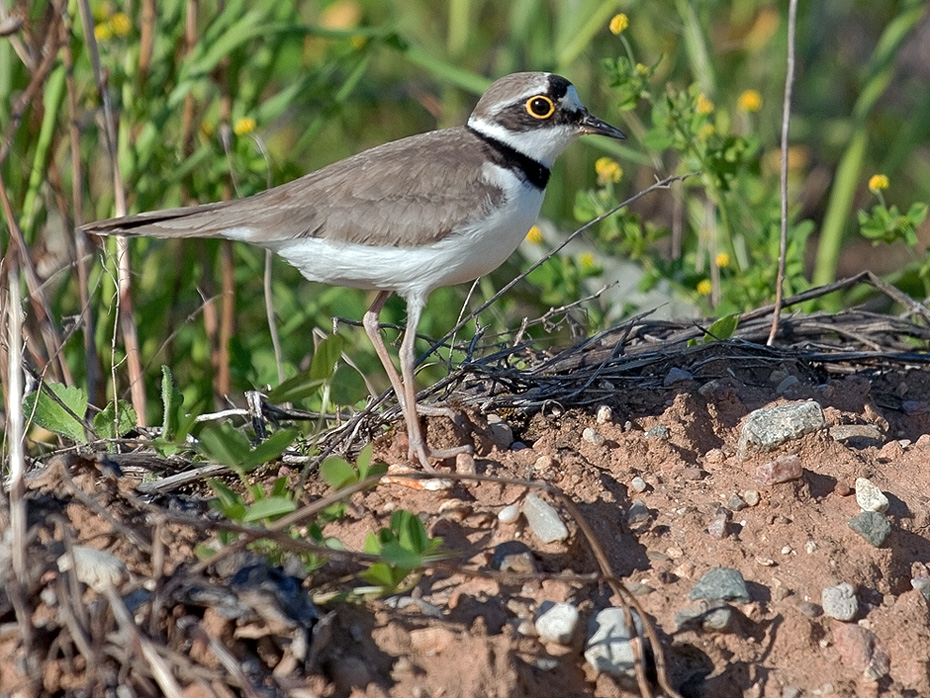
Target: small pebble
x=787, y=384
x=719, y=527
x=721, y=583
x=787, y=550
x=465, y=463
x=676, y=375
x=713, y=616
x=810, y=609
x=715, y=456
x=543, y=519
x=842, y=489
x=752, y=497
x=784, y=469
x=872, y=526
x=608, y=648
x=790, y=692
x=810, y=546
x=693, y=474
x=501, y=432
x=96, y=568
x=605, y=415
x=659, y=431
x=922, y=584
x=513, y=556
x=869, y=497
x=638, y=513
x=556, y=622
x=592, y=436
x=509, y=514
x=840, y=602
x=736, y=503
x=638, y=484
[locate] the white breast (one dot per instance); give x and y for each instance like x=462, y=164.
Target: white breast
x=461, y=256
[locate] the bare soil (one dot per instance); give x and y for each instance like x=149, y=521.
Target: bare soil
x=464, y=630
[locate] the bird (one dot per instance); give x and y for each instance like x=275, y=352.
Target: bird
x=408, y=216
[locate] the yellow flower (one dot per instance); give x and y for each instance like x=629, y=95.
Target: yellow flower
x=878, y=182
x=723, y=260
x=608, y=171
x=244, y=126
x=103, y=32
x=750, y=100
x=704, y=287
x=641, y=70
x=706, y=131
x=618, y=23
x=586, y=260
x=704, y=105
x=120, y=24
x=535, y=235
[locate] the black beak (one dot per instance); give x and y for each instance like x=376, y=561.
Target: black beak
x=591, y=124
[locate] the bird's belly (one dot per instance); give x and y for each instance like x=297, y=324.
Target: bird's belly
x=461, y=256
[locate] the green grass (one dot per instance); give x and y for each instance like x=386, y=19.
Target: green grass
x=268, y=91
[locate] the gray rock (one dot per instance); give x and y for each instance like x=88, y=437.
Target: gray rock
x=769, y=427
x=736, y=503
x=608, y=647
x=592, y=436
x=96, y=568
x=869, y=497
x=543, y=519
x=605, y=415
x=752, y=497
x=556, y=622
x=872, y=526
x=638, y=513
x=659, y=431
x=787, y=384
x=840, y=602
x=711, y=616
x=638, y=484
x=721, y=584
x=857, y=434
x=677, y=375
x=922, y=584
x=719, y=526
x=509, y=514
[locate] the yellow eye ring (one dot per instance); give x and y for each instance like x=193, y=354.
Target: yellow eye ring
x=540, y=107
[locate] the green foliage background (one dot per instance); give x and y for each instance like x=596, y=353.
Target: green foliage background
x=268, y=91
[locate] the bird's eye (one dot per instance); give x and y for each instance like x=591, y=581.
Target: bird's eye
x=540, y=107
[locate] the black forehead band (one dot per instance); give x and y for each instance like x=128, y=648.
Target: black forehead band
x=558, y=86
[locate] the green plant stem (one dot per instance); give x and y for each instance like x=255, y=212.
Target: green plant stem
x=849, y=170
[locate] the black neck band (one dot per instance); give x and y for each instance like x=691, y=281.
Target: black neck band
x=507, y=156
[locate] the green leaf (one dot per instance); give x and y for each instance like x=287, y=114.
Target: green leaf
x=225, y=445
x=269, y=508
x=338, y=473
x=296, y=388
x=269, y=449
x=722, y=328
x=49, y=414
x=398, y=555
x=324, y=359
x=107, y=426
x=171, y=400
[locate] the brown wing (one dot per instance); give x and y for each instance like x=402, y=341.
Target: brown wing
x=401, y=193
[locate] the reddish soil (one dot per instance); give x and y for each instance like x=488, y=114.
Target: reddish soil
x=459, y=632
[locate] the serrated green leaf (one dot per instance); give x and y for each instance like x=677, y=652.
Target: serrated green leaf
x=47, y=413
x=269, y=508
x=107, y=427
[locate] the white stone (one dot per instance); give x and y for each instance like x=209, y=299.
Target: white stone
x=556, y=622
x=870, y=497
